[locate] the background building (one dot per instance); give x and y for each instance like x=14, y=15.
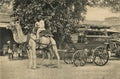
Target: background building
x=5, y=12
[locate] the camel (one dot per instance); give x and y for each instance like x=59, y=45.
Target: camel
x=19, y=37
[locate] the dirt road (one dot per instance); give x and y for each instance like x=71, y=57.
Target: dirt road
x=17, y=69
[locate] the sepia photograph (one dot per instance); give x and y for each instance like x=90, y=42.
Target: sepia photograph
x=59, y=39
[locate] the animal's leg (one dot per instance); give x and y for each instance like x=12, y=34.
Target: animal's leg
x=32, y=45
x=34, y=58
x=34, y=54
x=42, y=57
x=54, y=48
x=48, y=59
x=51, y=55
x=30, y=63
x=56, y=53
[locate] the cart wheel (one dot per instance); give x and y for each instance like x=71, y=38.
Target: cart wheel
x=68, y=58
x=101, y=56
x=79, y=58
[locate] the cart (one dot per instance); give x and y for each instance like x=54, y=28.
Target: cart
x=94, y=45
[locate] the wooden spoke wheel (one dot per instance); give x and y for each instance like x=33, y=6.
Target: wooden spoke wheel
x=101, y=56
x=68, y=58
x=79, y=58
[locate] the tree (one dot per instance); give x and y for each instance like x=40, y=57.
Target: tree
x=58, y=12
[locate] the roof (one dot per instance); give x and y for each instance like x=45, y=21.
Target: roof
x=93, y=26
x=112, y=30
x=4, y=25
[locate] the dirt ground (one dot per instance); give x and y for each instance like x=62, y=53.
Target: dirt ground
x=17, y=69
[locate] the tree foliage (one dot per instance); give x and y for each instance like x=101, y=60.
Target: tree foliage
x=58, y=13
x=113, y=4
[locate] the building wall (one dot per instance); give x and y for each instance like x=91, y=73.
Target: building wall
x=0, y=39
x=5, y=35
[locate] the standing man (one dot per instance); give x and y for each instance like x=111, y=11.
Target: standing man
x=40, y=24
x=10, y=52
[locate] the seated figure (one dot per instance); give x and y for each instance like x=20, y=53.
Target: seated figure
x=40, y=25
x=40, y=29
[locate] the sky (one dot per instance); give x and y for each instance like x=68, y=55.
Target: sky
x=99, y=13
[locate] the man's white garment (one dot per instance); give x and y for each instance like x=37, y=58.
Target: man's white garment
x=41, y=26
x=9, y=51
